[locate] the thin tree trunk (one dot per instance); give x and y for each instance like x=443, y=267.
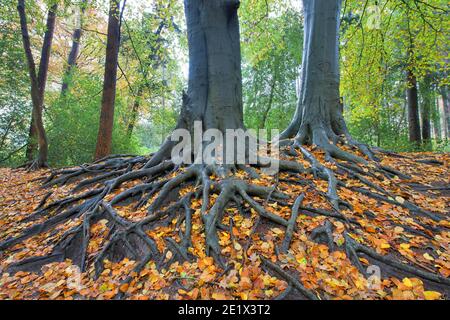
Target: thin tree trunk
x=104, y=139
x=74, y=50
x=153, y=56
x=135, y=111
x=436, y=118
x=413, y=109
x=269, y=104
x=426, y=92
x=446, y=108
x=38, y=82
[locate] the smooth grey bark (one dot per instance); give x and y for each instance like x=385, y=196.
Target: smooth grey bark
x=318, y=115
x=214, y=94
x=318, y=118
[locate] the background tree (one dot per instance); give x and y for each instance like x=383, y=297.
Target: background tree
x=15, y=104
x=271, y=47
x=75, y=48
x=318, y=118
x=408, y=37
x=38, y=82
x=105, y=131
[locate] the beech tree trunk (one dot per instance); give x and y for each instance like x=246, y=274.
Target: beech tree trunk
x=318, y=117
x=38, y=83
x=413, y=109
x=74, y=50
x=104, y=138
x=215, y=81
x=214, y=94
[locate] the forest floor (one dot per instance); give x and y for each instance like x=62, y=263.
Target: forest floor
x=385, y=227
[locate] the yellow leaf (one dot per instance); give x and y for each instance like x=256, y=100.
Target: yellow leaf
x=385, y=245
x=404, y=246
x=398, y=229
x=431, y=295
x=407, y=282
x=428, y=257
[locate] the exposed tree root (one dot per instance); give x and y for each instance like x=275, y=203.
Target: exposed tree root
x=289, y=279
x=156, y=187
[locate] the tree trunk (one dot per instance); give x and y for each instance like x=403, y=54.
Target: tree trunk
x=38, y=82
x=134, y=111
x=413, y=109
x=74, y=50
x=32, y=146
x=319, y=118
x=270, y=102
x=427, y=100
x=156, y=59
x=436, y=118
x=446, y=108
x=104, y=139
x=318, y=114
x=215, y=79
x=214, y=95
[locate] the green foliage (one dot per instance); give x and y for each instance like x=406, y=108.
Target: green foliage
x=380, y=41
x=73, y=123
x=15, y=107
x=272, y=47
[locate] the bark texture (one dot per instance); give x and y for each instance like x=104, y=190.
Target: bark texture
x=427, y=101
x=214, y=94
x=215, y=80
x=319, y=116
x=105, y=131
x=413, y=109
x=38, y=83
